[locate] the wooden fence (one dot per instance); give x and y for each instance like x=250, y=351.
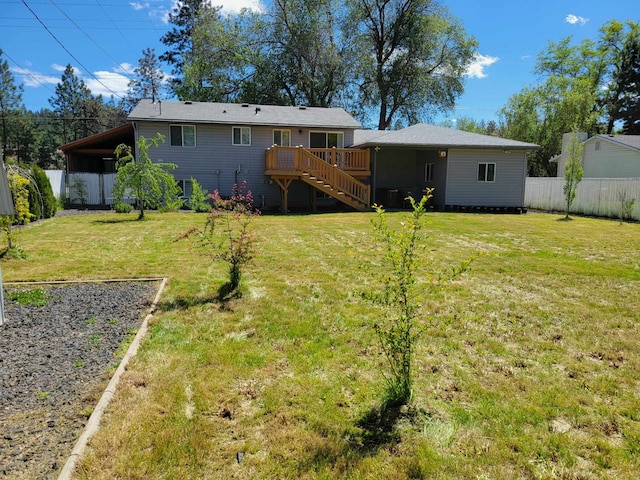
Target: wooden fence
x=600, y=197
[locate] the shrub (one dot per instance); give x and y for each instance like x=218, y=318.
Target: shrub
x=49, y=201
x=198, y=200
x=20, y=188
x=122, y=207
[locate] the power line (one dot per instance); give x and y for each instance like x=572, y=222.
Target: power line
x=70, y=54
x=27, y=72
x=89, y=37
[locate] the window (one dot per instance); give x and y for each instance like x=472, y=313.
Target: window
x=186, y=187
x=326, y=139
x=282, y=138
x=428, y=172
x=486, y=172
x=183, y=135
x=597, y=146
x=241, y=135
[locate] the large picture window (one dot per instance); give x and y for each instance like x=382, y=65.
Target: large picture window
x=326, y=139
x=241, y=135
x=183, y=135
x=486, y=172
x=282, y=138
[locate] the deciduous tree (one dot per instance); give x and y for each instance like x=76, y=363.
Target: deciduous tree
x=150, y=182
x=410, y=58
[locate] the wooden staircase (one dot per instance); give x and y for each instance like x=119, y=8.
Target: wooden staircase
x=323, y=169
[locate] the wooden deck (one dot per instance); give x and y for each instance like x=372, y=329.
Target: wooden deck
x=334, y=171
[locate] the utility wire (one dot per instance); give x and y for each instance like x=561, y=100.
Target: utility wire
x=27, y=72
x=90, y=38
x=70, y=54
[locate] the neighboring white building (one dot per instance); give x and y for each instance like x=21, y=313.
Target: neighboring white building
x=606, y=156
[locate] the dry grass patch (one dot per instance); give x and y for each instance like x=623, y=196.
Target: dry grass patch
x=528, y=367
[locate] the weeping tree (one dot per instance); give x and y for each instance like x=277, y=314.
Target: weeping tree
x=150, y=182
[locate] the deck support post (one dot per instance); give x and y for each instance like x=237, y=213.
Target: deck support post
x=284, y=184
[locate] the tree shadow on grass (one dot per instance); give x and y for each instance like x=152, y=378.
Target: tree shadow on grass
x=377, y=430
x=107, y=221
x=223, y=298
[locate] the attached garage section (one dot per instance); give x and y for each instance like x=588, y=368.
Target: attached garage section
x=486, y=178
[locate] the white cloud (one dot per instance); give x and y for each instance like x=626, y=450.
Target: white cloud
x=139, y=6
x=480, y=62
x=575, y=19
x=234, y=6
x=108, y=83
x=31, y=78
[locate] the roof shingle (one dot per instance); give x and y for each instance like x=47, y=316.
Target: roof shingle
x=243, y=114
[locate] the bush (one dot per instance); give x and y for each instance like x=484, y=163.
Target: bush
x=122, y=207
x=198, y=200
x=48, y=200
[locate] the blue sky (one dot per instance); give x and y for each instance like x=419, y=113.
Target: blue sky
x=103, y=40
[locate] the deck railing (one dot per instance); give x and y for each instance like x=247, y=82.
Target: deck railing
x=350, y=160
x=330, y=169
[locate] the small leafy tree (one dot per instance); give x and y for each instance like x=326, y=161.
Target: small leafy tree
x=79, y=189
x=399, y=327
x=398, y=330
x=227, y=232
x=626, y=204
x=573, y=170
x=149, y=181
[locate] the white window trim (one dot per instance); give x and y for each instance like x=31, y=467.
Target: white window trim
x=182, y=125
x=486, y=171
x=233, y=137
x=327, y=132
x=281, y=130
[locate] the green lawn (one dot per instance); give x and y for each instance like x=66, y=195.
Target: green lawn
x=528, y=368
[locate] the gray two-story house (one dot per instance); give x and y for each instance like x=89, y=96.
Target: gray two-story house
x=287, y=155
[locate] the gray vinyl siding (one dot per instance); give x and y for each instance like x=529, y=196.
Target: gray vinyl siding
x=464, y=189
x=611, y=161
x=217, y=164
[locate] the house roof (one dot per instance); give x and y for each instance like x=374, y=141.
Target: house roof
x=123, y=133
x=243, y=114
x=631, y=141
x=423, y=135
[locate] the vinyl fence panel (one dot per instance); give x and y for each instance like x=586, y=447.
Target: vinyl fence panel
x=601, y=197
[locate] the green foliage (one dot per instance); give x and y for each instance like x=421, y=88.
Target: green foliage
x=19, y=186
x=150, y=182
x=36, y=297
x=398, y=330
x=148, y=81
x=198, y=199
x=573, y=170
x=626, y=204
x=400, y=55
x=49, y=202
x=79, y=190
x=122, y=207
x=228, y=235
x=35, y=201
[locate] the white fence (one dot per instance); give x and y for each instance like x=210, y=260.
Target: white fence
x=83, y=188
x=600, y=197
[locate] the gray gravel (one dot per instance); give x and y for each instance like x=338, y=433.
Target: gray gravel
x=55, y=361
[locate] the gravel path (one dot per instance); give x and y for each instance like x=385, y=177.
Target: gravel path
x=55, y=361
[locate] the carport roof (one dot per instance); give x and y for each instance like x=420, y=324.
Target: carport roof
x=423, y=135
